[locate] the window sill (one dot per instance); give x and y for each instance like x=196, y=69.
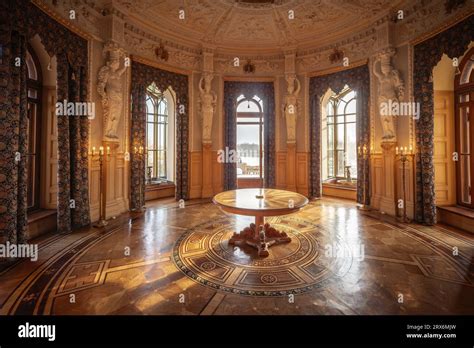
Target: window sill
x=459, y=210
x=40, y=214
x=341, y=185
x=154, y=186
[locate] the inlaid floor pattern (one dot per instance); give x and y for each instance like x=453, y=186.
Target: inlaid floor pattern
x=177, y=261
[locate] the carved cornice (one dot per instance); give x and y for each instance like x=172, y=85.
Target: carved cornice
x=338, y=68
x=58, y=18
x=158, y=65
x=440, y=28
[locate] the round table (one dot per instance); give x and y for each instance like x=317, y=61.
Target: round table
x=260, y=203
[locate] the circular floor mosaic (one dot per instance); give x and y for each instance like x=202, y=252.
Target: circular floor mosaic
x=313, y=258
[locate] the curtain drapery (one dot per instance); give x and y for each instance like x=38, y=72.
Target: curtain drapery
x=13, y=119
x=142, y=77
x=357, y=79
x=452, y=42
x=265, y=91
x=21, y=21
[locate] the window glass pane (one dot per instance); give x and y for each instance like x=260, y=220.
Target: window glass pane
x=340, y=119
x=162, y=137
x=331, y=163
x=32, y=93
x=340, y=136
x=348, y=96
x=162, y=107
x=150, y=162
x=350, y=118
x=331, y=137
x=330, y=120
x=150, y=136
x=330, y=108
x=248, y=119
x=465, y=179
x=31, y=128
x=351, y=148
x=340, y=107
x=162, y=163
x=340, y=163
x=248, y=106
x=149, y=106
x=248, y=149
x=464, y=130
x=351, y=107
x=32, y=73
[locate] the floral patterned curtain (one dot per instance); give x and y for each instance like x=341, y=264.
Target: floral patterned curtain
x=142, y=77
x=452, y=42
x=357, y=79
x=25, y=20
x=265, y=91
x=13, y=118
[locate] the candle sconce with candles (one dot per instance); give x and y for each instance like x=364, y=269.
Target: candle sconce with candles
x=363, y=153
x=403, y=154
x=102, y=222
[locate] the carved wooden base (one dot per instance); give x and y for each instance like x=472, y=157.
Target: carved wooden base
x=260, y=238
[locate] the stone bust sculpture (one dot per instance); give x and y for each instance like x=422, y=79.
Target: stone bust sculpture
x=208, y=100
x=391, y=90
x=290, y=108
x=110, y=88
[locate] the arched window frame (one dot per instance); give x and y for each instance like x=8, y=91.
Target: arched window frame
x=164, y=120
x=34, y=84
x=254, y=117
x=336, y=158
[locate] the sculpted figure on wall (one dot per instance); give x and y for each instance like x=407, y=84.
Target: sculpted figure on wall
x=290, y=108
x=391, y=90
x=110, y=89
x=207, y=101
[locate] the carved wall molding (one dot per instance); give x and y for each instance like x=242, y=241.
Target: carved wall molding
x=56, y=13
x=262, y=66
x=420, y=19
x=146, y=48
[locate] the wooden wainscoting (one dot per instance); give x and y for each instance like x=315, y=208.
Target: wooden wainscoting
x=195, y=174
x=217, y=174
x=377, y=180
x=280, y=180
x=302, y=173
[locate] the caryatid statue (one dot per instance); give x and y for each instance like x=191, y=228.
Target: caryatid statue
x=290, y=108
x=110, y=89
x=208, y=100
x=391, y=90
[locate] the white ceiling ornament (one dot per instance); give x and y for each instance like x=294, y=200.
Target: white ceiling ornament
x=255, y=26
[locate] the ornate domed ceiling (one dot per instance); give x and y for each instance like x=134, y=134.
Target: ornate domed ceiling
x=256, y=25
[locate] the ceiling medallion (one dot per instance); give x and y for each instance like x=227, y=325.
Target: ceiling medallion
x=161, y=52
x=249, y=68
x=336, y=56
